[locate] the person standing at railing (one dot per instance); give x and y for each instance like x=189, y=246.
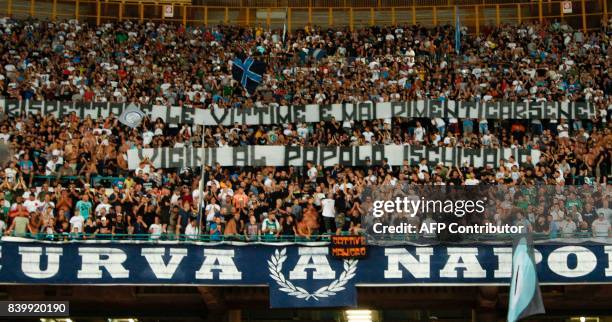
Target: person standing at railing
x=76, y=222
x=270, y=227
x=105, y=227
x=288, y=227
x=251, y=230
x=20, y=223
x=234, y=226
x=49, y=229
x=216, y=230
x=156, y=229
x=140, y=227
x=601, y=227
x=90, y=229
x=568, y=227
x=120, y=227
x=35, y=224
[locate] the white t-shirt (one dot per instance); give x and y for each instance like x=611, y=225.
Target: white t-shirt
x=318, y=197
x=155, y=230
x=329, y=208
x=368, y=136
x=568, y=227
x=419, y=134
x=102, y=206
x=147, y=137
x=438, y=122
x=312, y=174
x=302, y=132
x=211, y=210
x=77, y=222
x=600, y=228
x=471, y=182
x=31, y=205
x=192, y=231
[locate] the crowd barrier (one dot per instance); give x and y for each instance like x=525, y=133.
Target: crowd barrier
x=325, y=238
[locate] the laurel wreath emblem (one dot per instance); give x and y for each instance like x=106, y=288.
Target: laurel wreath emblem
x=275, y=265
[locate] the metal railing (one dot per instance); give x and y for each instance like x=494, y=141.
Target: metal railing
x=272, y=238
x=476, y=15
x=168, y=237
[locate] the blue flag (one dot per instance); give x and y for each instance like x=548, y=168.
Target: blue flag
x=319, y=53
x=525, y=297
x=457, y=32
x=248, y=72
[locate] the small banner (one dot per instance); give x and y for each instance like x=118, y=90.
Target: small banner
x=525, y=296
x=332, y=282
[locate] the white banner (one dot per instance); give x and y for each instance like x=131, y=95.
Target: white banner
x=263, y=155
x=312, y=113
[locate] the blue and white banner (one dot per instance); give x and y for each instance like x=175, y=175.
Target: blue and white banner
x=298, y=275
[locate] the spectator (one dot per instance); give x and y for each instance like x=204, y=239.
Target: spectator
x=601, y=226
x=192, y=231
x=90, y=230
x=156, y=229
x=216, y=229
x=251, y=230
x=567, y=227
x=76, y=222
x=19, y=227
x=270, y=227
x=329, y=213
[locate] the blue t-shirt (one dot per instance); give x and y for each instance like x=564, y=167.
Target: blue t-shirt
x=84, y=208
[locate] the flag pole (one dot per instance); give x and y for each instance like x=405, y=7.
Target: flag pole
x=202, y=183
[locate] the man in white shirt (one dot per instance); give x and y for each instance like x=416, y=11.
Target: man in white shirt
x=32, y=203
x=568, y=227
x=302, y=130
x=76, y=222
x=471, y=181
x=103, y=205
x=312, y=172
x=419, y=132
x=155, y=229
x=367, y=134
x=601, y=226
x=192, y=231
x=563, y=129
x=328, y=206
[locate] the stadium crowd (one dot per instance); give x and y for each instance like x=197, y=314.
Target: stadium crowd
x=173, y=65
